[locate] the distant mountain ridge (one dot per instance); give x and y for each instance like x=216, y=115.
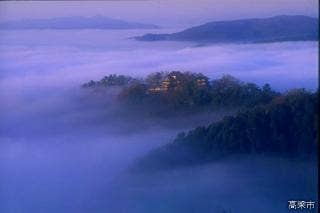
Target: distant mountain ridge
x=257, y=30
x=74, y=22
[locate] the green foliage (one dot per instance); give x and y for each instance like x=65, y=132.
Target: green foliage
x=185, y=90
x=109, y=81
x=229, y=91
x=287, y=126
x=134, y=93
x=155, y=79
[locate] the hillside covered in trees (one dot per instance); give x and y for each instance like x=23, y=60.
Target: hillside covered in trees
x=263, y=122
x=255, y=30
x=286, y=127
x=178, y=91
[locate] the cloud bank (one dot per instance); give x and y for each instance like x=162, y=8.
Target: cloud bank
x=59, y=151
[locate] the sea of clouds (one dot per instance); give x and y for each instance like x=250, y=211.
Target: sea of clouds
x=58, y=152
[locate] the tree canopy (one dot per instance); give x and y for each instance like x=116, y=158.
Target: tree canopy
x=185, y=90
x=287, y=126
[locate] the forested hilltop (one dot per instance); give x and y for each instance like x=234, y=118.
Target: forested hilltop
x=256, y=30
x=263, y=121
x=286, y=127
x=165, y=92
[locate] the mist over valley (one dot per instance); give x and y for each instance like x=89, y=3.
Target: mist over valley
x=65, y=148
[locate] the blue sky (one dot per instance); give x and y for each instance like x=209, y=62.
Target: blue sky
x=163, y=12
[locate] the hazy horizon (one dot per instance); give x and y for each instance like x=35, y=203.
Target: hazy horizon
x=175, y=13
x=66, y=149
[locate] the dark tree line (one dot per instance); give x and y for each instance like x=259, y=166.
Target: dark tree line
x=287, y=126
x=109, y=81
x=185, y=90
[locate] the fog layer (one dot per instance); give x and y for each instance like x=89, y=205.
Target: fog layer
x=60, y=151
